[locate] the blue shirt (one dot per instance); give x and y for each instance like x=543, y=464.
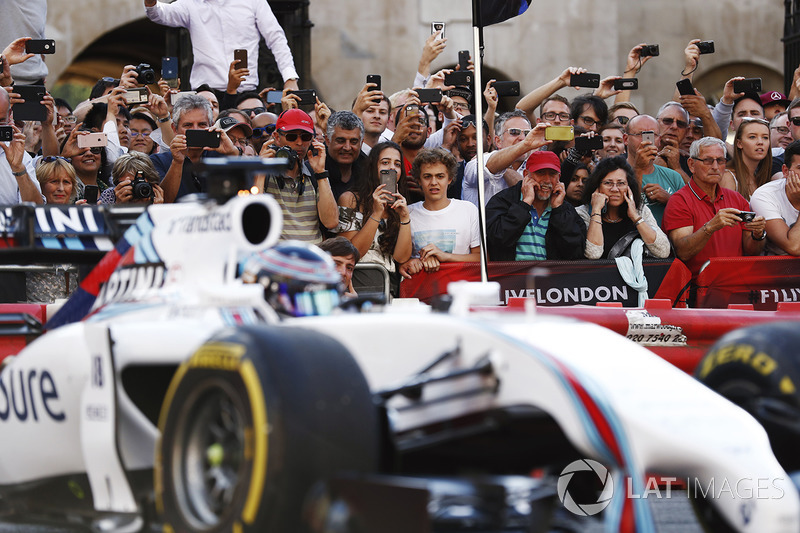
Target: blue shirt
x=531, y=244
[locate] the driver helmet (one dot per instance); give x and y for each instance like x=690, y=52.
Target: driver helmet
x=299, y=279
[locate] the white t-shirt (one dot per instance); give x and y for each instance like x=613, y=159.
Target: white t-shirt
x=771, y=202
x=453, y=229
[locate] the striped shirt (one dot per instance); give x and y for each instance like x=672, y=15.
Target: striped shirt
x=300, y=216
x=531, y=244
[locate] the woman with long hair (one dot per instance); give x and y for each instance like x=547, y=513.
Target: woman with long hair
x=751, y=166
x=613, y=212
x=374, y=219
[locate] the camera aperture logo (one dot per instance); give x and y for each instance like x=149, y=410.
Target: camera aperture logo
x=599, y=476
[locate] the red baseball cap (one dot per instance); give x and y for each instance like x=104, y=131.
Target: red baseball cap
x=774, y=97
x=295, y=119
x=543, y=159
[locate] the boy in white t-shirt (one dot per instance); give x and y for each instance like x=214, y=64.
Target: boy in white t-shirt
x=443, y=230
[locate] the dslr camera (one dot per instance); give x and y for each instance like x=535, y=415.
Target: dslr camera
x=141, y=188
x=284, y=152
x=145, y=74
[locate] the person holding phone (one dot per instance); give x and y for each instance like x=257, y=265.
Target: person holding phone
x=615, y=215
x=238, y=24
x=376, y=219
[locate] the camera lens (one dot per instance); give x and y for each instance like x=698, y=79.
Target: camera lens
x=142, y=189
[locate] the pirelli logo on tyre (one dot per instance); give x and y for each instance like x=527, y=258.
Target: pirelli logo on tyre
x=218, y=355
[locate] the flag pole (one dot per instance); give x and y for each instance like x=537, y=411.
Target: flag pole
x=477, y=41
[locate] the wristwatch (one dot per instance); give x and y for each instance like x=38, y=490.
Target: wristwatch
x=163, y=120
x=321, y=175
x=763, y=236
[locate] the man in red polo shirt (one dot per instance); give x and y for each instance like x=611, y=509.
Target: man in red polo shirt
x=703, y=220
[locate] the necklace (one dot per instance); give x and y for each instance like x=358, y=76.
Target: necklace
x=610, y=221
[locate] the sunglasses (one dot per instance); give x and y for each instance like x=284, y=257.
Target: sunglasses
x=266, y=130
x=669, y=121
x=108, y=79
x=516, y=132
x=292, y=136
x=795, y=121
x=621, y=120
x=96, y=149
x=54, y=158
x=254, y=110
x=70, y=119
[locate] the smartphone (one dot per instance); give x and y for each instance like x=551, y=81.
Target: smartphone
x=90, y=193
x=649, y=137
x=174, y=97
x=559, y=133
x=463, y=60
x=6, y=134
x=587, y=144
x=138, y=95
x=747, y=85
x=507, y=88
x=436, y=27
x=459, y=78
x=92, y=140
x=169, y=68
x=649, y=50
x=376, y=79
x=706, y=47
x=626, y=84
x=389, y=178
x=429, y=96
x=307, y=96
x=30, y=109
x=274, y=97
x=240, y=55
x=40, y=46
x=685, y=87
x=588, y=80
x=202, y=139
x=746, y=216
x=411, y=110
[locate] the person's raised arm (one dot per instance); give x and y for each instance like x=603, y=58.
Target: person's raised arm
x=502, y=159
x=633, y=65
x=490, y=94
x=49, y=139
x=172, y=179
x=430, y=51
x=533, y=99
x=327, y=209
x=696, y=106
x=15, y=153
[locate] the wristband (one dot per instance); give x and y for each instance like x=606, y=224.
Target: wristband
x=405, y=223
x=23, y=172
x=163, y=120
x=375, y=219
x=322, y=176
x=705, y=230
x=597, y=215
x=641, y=219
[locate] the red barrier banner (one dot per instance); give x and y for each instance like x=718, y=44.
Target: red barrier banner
x=557, y=283
x=761, y=281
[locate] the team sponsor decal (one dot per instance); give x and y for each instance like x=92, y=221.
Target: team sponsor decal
x=210, y=223
x=29, y=395
x=571, y=295
x=69, y=220
x=132, y=283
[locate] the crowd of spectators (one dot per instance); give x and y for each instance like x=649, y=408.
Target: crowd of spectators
x=398, y=178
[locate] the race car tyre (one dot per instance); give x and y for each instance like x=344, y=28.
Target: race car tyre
x=251, y=421
x=758, y=368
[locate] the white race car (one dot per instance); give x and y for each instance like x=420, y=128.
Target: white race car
x=183, y=400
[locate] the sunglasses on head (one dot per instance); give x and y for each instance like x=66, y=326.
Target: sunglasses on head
x=54, y=158
x=293, y=135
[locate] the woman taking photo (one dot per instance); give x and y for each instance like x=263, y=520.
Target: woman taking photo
x=752, y=158
x=375, y=220
x=614, y=214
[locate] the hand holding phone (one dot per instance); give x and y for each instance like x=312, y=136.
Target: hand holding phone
x=202, y=139
x=40, y=46
x=649, y=137
x=587, y=80
x=90, y=193
x=685, y=87
x=559, y=133
x=747, y=85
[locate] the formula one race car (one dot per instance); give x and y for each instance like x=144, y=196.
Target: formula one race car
x=184, y=400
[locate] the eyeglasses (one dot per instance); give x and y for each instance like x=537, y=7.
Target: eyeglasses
x=708, y=161
x=292, y=136
x=669, y=121
x=135, y=134
x=621, y=120
x=254, y=110
x=589, y=121
x=516, y=132
x=70, y=119
x=466, y=123
x=795, y=121
x=783, y=130
x=460, y=106
x=551, y=115
x=614, y=184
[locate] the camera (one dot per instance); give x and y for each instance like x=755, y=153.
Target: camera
x=145, y=74
x=141, y=187
x=706, y=47
x=284, y=152
x=649, y=50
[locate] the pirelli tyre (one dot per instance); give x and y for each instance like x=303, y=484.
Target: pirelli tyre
x=251, y=421
x=758, y=368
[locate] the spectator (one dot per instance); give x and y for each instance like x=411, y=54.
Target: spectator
x=673, y=121
x=191, y=112
x=128, y=168
x=303, y=191
x=589, y=111
x=751, y=166
x=657, y=182
x=208, y=93
x=21, y=22
x=411, y=133
x=733, y=107
x=251, y=104
x=67, y=120
x=442, y=229
x=574, y=182
x=694, y=132
x=142, y=127
x=103, y=86
x=57, y=180
x=621, y=113
x=90, y=166
x=702, y=219
x=238, y=132
x=240, y=24
x=374, y=118
x=613, y=141
x=541, y=95
x=778, y=202
x=376, y=221
x=613, y=212
x=530, y=221
x=467, y=142
x=344, y=160
x=780, y=135
x=501, y=167
x=555, y=110
x=774, y=103
x=263, y=126
x=345, y=256
x=793, y=111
